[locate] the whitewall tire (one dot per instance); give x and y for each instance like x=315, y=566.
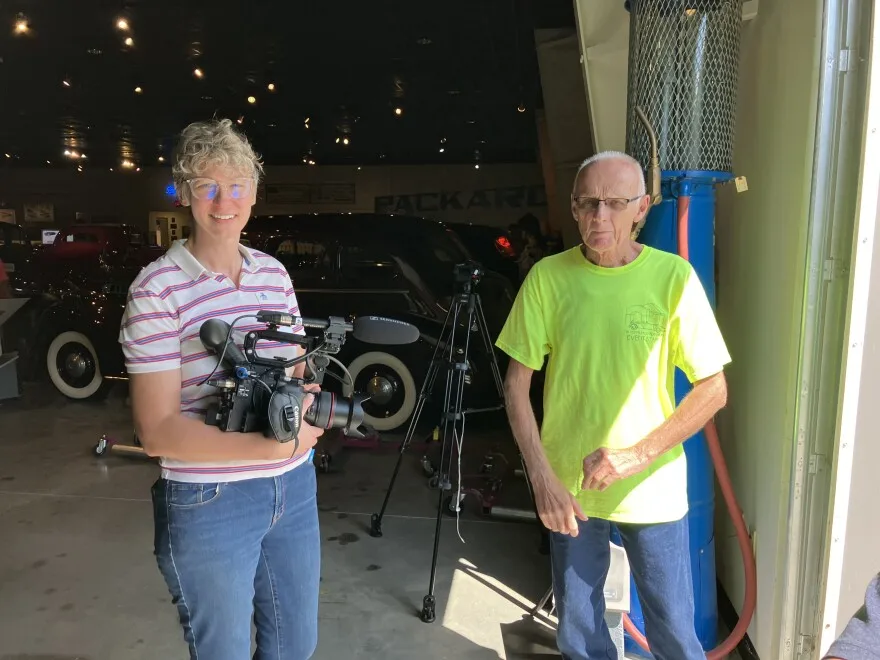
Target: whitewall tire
x=73, y=365
x=391, y=386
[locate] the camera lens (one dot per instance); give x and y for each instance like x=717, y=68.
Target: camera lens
x=328, y=412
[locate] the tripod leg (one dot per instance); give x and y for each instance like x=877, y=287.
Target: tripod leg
x=427, y=388
x=490, y=348
x=540, y=605
x=453, y=430
x=451, y=440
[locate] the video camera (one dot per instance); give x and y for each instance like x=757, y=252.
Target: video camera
x=467, y=275
x=260, y=396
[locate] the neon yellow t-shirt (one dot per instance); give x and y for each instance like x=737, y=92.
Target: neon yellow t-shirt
x=614, y=337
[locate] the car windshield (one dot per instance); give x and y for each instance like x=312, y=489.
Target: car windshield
x=448, y=247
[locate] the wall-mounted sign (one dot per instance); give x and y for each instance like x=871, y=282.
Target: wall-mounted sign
x=445, y=201
x=7, y=215
x=310, y=193
x=48, y=236
x=39, y=213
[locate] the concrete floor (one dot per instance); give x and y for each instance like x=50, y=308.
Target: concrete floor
x=78, y=578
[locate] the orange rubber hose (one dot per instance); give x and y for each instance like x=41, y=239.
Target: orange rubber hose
x=742, y=533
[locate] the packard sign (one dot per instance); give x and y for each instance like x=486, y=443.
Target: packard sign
x=444, y=201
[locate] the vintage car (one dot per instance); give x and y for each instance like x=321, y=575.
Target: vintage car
x=341, y=265
x=16, y=251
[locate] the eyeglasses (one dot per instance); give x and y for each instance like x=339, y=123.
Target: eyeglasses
x=207, y=189
x=591, y=204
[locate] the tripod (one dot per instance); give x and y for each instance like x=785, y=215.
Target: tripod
x=455, y=361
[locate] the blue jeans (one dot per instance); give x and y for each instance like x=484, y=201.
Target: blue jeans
x=659, y=560
x=240, y=551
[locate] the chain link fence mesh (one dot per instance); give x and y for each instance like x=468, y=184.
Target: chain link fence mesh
x=683, y=63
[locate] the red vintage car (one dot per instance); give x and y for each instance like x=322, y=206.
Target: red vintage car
x=85, y=244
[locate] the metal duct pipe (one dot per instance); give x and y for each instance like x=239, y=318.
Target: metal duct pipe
x=683, y=68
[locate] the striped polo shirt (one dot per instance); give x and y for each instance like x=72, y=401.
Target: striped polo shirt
x=167, y=304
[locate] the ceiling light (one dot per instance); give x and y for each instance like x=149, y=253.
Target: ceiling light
x=337, y=140
x=271, y=87
x=442, y=149
x=345, y=140
x=161, y=159
x=521, y=108
x=7, y=155
x=477, y=166
x=127, y=164
x=198, y=73
x=398, y=111
x=129, y=41
x=138, y=90
x=79, y=168
x=240, y=120
x=21, y=25
x=122, y=24
x=48, y=162
x=252, y=99
x=138, y=170
x=66, y=83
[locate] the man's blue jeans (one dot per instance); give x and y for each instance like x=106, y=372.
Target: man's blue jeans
x=659, y=560
x=240, y=551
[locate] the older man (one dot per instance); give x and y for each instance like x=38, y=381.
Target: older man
x=615, y=318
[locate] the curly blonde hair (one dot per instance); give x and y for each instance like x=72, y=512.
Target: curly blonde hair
x=206, y=144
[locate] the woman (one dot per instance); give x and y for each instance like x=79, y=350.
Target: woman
x=236, y=525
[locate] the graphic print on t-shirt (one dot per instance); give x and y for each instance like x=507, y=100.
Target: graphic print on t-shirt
x=645, y=322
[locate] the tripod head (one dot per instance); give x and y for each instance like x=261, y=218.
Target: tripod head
x=467, y=276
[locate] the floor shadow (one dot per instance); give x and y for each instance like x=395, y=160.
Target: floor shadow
x=501, y=557
x=529, y=639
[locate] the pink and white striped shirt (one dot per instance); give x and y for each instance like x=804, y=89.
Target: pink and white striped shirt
x=167, y=304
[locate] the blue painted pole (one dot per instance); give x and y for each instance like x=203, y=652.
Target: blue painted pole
x=661, y=232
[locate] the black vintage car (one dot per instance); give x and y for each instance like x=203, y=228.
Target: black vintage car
x=341, y=265
x=16, y=252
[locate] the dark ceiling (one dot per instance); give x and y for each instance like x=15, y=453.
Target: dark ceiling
x=462, y=72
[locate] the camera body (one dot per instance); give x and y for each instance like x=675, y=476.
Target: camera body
x=260, y=396
x=467, y=275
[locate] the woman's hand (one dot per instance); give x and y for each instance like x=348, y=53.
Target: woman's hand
x=308, y=435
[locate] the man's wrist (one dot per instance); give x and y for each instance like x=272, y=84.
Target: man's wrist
x=540, y=472
x=645, y=450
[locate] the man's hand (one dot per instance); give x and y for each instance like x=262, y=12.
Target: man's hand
x=605, y=466
x=557, y=508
